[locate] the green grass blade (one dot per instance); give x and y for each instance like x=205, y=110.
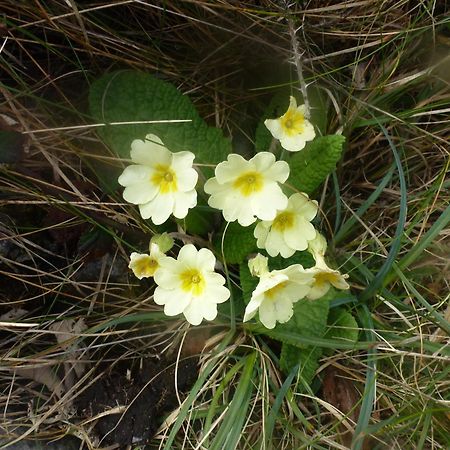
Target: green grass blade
x=437, y=318
x=370, y=384
x=272, y=417
x=377, y=282
x=348, y=224
x=231, y=428
x=194, y=392
x=441, y=223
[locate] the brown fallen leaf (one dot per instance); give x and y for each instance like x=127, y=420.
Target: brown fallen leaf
x=65, y=333
x=42, y=375
x=341, y=392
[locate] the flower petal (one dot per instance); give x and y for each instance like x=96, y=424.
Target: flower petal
x=187, y=176
x=206, y=261
x=278, y=172
x=228, y=170
x=293, y=143
x=261, y=233
x=266, y=203
x=318, y=290
x=267, y=314
x=283, y=309
x=150, y=152
x=296, y=237
x=194, y=312
x=339, y=282
x=139, y=193
x=178, y=302
x=252, y=307
x=135, y=174
x=274, y=126
x=173, y=303
x=263, y=161
x=159, y=209
x=215, y=292
x=183, y=201
x=274, y=243
x=167, y=276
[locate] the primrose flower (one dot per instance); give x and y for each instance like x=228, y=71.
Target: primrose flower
x=143, y=265
x=292, y=128
x=323, y=276
x=323, y=279
x=290, y=230
x=276, y=293
x=246, y=190
x=160, y=182
x=190, y=286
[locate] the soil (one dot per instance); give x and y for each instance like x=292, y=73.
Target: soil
x=140, y=394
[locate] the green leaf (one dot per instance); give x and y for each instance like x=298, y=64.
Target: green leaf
x=310, y=166
x=309, y=319
x=307, y=358
x=200, y=220
x=129, y=96
x=303, y=258
x=342, y=325
x=11, y=146
x=248, y=282
x=238, y=243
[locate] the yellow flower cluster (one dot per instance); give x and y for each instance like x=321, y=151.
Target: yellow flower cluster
x=162, y=183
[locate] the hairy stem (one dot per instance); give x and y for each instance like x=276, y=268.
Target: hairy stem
x=298, y=65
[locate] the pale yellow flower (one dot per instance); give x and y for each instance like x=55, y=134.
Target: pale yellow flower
x=276, y=293
x=160, y=182
x=292, y=129
x=323, y=276
x=291, y=229
x=190, y=286
x=144, y=265
x=247, y=190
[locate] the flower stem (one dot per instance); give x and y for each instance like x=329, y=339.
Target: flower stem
x=299, y=66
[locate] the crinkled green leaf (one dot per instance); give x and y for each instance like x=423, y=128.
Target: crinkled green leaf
x=238, y=243
x=342, y=325
x=309, y=319
x=308, y=359
x=310, y=166
x=199, y=220
x=128, y=96
x=248, y=282
x=303, y=258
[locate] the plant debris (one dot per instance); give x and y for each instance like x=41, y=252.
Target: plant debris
x=130, y=399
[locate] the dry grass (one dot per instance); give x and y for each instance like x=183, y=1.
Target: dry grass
x=65, y=239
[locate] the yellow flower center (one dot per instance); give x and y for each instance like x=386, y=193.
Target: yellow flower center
x=292, y=122
x=283, y=221
x=322, y=278
x=192, y=281
x=249, y=183
x=146, y=266
x=273, y=292
x=165, y=178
